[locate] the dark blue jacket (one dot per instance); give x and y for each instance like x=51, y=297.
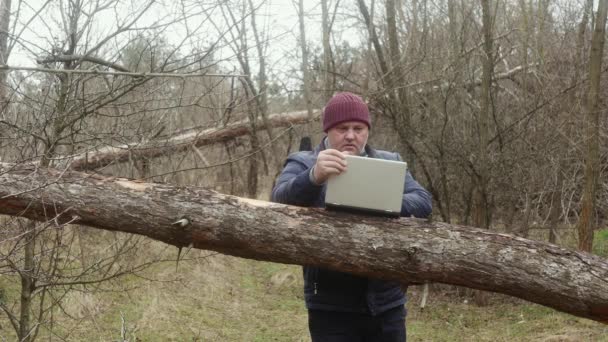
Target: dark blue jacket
x=337, y=291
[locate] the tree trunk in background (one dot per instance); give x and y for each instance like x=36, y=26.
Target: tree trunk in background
x=252, y=174
x=373, y=36
x=396, y=59
x=402, y=104
x=556, y=205
x=29, y=274
x=481, y=207
x=454, y=110
x=394, y=108
x=525, y=222
x=28, y=282
x=455, y=45
x=525, y=50
x=327, y=77
x=397, y=80
x=575, y=96
x=386, y=78
x=5, y=16
x=261, y=95
x=579, y=55
x=586, y=222
x=304, y=67
x=543, y=16
x=252, y=111
x=254, y=94
x=408, y=250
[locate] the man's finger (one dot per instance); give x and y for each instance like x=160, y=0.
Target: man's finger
x=334, y=160
x=331, y=171
x=333, y=164
x=333, y=157
x=335, y=153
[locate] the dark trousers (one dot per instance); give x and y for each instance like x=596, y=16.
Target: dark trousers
x=331, y=326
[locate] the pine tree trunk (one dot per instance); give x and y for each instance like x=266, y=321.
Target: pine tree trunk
x=408, y=250
x=179, y=142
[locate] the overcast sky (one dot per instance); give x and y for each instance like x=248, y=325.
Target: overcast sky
x=276, y=17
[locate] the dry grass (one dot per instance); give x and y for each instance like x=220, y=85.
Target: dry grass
x=222, y=298
x=451, y=316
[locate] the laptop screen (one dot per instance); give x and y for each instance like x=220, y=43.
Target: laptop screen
x=369, y=185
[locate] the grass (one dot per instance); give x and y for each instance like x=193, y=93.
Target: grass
x=447, y=318
x=222, y=298
x=600, y=242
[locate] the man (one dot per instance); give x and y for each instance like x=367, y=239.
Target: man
x=342, y=306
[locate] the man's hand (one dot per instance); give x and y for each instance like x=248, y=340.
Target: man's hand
x=329, y=162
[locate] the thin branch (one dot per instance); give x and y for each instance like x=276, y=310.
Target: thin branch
x=117, y=73
x=11, y=317
x=70, y=58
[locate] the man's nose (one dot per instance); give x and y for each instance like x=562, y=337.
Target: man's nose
x=350, y=134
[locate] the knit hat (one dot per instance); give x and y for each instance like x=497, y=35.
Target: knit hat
x=345, y=107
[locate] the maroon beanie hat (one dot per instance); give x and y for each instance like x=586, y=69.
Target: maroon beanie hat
x=345, y=107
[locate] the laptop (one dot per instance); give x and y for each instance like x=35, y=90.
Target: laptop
x=369, y=186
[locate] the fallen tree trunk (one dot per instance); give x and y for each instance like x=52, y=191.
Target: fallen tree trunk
x=176, y=143
x=198, y=136
x=407, y=250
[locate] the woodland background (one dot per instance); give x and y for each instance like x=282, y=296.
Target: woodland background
x=497, y=105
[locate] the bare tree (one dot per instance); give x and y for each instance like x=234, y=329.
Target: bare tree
x=257, y=101
x=481, y=206
x=262, y=91
x=76, y=105
x=327, y=56
x=304, y=67
x=586, y=224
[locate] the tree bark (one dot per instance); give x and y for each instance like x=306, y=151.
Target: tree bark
x=261, y=97
x=396, y=60
x=481, y=212
x=397, y=80
x=305, y=72
x=586, y=223
x=386, y=76
x=408, y=250
x=178, y=143
x=556, y=204
x=579, y=54
x=327, y=83
x=397, y=109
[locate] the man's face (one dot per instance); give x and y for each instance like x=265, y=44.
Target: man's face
x=348, y=137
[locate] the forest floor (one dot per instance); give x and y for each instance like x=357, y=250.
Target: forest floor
x=212, y=297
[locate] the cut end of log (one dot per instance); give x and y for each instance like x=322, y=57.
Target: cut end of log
x=258, y=203
x=133, y=185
